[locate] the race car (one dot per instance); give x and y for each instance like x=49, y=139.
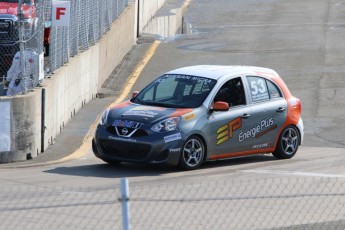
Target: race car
x=202, y=113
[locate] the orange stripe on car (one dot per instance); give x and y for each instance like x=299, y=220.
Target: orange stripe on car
x=180, y=112
x=240, y=154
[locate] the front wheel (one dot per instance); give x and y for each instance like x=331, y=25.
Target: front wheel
x=111, y=162
x=288, y=143
x=192, y=153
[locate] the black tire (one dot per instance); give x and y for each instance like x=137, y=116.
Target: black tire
x=111, y=162
x=192, y=154
x=288, y=143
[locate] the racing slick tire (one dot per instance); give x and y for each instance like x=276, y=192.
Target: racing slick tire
x=288, y=143
x=192, y=154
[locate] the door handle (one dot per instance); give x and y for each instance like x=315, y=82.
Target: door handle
x=280, y=110
x=245, y=116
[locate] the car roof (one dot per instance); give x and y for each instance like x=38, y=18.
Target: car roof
x=217, y=71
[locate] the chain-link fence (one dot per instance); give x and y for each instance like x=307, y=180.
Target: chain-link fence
x=313, y=203
x=88, y=22
x=21, y=31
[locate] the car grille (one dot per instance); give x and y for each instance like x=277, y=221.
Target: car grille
x=126, y=151
x=8, y=32
x=137, y=133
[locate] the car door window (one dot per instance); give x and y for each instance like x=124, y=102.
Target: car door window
x=258, y=89
x=273, y=90
x=232, y=92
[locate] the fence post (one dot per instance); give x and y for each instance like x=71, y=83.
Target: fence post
x=125, y=204
x=20, y=15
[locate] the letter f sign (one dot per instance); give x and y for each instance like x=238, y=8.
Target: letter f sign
x=61, y=13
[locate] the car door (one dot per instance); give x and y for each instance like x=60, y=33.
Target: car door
x=225, y=126
x=269, y=109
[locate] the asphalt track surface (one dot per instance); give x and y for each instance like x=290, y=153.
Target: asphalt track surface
x=301, y=40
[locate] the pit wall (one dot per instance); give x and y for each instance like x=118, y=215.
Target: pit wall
x=168, y=20
x=148, y=10
x=37, y=117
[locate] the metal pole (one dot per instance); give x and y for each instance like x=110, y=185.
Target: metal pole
x=20, y=16
x=43, y=118
x=125, y=204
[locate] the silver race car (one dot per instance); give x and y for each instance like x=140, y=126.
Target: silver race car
x=201, y=113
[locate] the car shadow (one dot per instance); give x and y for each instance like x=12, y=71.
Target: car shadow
x=104, y=170
x=239, y=161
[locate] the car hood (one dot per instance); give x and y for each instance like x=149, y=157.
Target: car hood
x=12, y=8
x=143, y=113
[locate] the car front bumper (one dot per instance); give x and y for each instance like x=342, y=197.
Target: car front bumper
x=153, y=148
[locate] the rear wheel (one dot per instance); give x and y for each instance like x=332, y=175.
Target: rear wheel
x=288, y=143
x=192, y=153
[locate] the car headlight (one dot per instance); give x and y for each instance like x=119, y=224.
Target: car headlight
x=104, y=119
x=166, y=125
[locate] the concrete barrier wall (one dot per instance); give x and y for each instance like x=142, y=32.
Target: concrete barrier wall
x=24, y=127
x=168, y=20
x=78, y=82
x=71, y=86
x=165, y=24
x=147, y=10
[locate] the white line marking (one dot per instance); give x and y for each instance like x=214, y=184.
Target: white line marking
x=292, y=173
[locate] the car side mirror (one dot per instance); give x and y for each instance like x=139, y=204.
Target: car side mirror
x=135, y=93
x=220, y=106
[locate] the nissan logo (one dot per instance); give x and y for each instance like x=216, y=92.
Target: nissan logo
x=124, y=131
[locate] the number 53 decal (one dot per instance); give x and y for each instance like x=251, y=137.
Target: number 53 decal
x=258, y=86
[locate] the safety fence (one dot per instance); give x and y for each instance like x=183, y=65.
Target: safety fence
x=21, y=41
x=221, y=203
x=89, y=21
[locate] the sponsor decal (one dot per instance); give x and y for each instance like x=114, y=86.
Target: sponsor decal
x=189, y=117
x=225, y=132
x=186, y=77
x=175, y=150
x=122, y=139
x=127, y=124
x=173, y=137
x=262, y=146
x=258, y=89
x=141, y=113
x=148, y=108
x=257, y=131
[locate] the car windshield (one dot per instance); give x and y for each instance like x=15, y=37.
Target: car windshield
x=16, y=1
x=176, y=91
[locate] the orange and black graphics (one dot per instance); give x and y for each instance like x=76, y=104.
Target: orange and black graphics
x=226, y=131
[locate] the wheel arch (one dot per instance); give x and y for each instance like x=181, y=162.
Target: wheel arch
x=203, y=141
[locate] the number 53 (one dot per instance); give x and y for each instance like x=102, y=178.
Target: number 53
x=258, y=86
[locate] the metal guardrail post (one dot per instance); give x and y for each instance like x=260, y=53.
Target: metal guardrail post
x=125, y=204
